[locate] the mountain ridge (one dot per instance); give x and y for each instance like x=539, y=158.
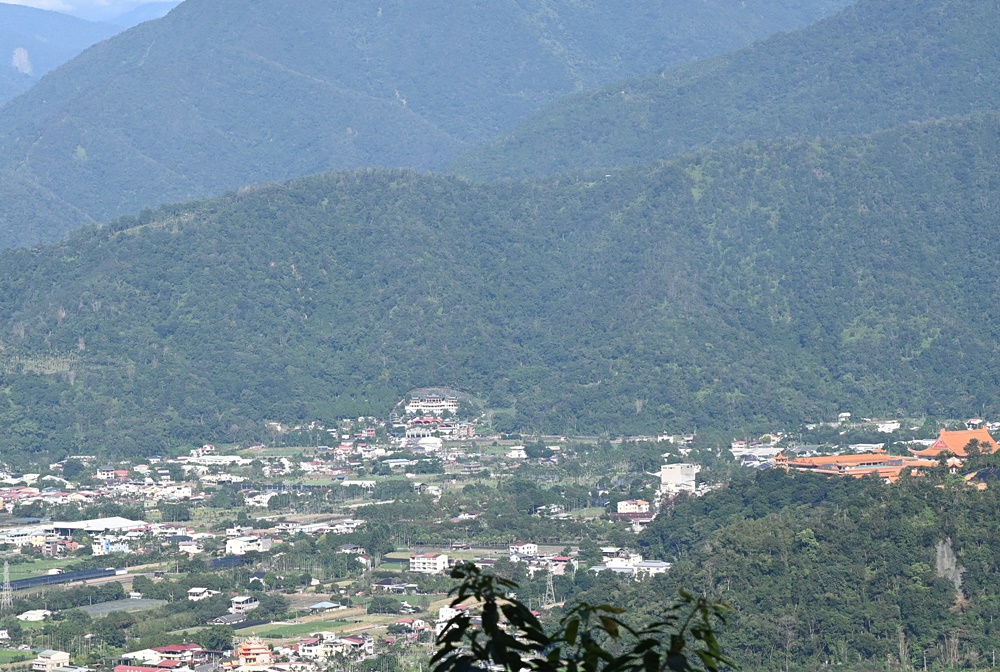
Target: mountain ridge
x=874, y=65
x=217, y=95
x=767, y=283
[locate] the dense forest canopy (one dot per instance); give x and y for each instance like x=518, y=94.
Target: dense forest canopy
x=877, y=64
x=220, y=94
x=777, y=283
x=840, y=571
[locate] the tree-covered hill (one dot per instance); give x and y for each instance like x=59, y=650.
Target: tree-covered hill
x=773, y=283
x=876, y=64
x=217, y=95
x=826, y=572
x=35, y=41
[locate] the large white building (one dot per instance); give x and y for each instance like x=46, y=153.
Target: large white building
x=633, y=506
x=680, y=477
x=433, y=404
x=525, y=548
x=241, y=604
x=109, y=545
x=243, y=545
x=428, y=563
x=49, y=660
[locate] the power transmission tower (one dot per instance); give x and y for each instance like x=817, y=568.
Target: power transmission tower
x=550, y=591
x=7, y=593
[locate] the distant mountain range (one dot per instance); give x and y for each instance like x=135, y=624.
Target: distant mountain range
x=221, y=94
x=776, y=282
x=35, y=41
x=876, y=64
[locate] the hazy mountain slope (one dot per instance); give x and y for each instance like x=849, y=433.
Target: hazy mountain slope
x=773, y=283
x=217, y=95
x=35, y=41
x=876, y=64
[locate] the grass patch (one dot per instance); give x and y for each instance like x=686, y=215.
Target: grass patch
x=39, y=567
x=592, y=512
x=7, y=657
x=299, y=629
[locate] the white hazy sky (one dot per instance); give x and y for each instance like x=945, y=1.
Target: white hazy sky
x=85, y=8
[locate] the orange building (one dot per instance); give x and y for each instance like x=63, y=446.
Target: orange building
x=253, y=652
x=878, y=463
x=955, y=443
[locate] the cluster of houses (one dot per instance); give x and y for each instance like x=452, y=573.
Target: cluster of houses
x=114, y=535
x=528, y=553
x=326, y=646
x=628, y=563
x=432, y=415
x=56, y=491
x=251, y=654
x=55, y=537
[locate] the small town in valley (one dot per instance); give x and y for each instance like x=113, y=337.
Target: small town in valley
x=331, y=546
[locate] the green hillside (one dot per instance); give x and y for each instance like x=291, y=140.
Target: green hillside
x=221, y=94
x=841, y=572
x=35, y=41
x=876, y=64
x=774, y=283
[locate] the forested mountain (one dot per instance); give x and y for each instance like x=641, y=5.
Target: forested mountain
x=876, y=64
x=35, y=41
x=220, y=94
x=825, y=572
x=776, y=282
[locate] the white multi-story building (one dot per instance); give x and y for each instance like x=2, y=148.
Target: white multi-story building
x=241, y=604
x=428, y=563
x=108, y=545
x=633, y=506
x=445, y=614
x=243, y=545
x=49, y=660
x=524, y=548
x=198, y=594
x=433, y=404
x=680, y=477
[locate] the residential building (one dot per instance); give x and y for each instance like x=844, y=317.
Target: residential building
x=244, y=545
x=445, y=614
x=199, y=594
x=395, y=586
x=633, y=506
x=524, y=548
x=243, y=603
x=48, y=660
x=651, y=568
x=178, y=652
x=358, y=645
x=428, y=563
x=108, y=545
